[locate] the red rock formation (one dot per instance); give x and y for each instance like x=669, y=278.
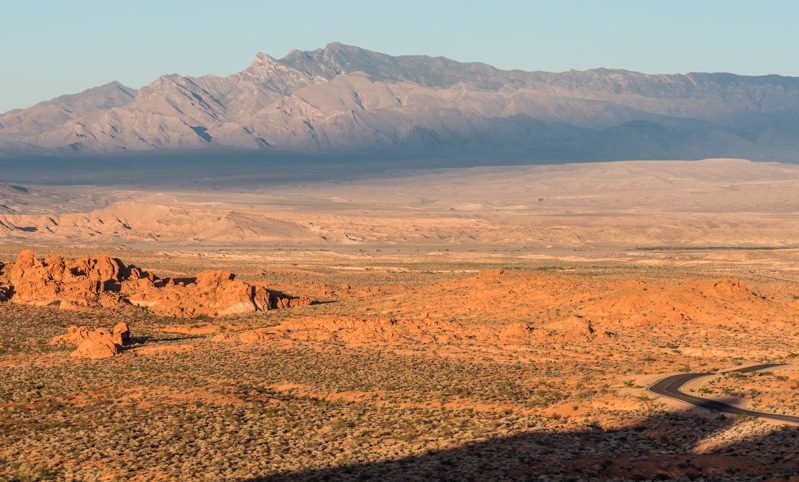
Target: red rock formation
x=279, y=302
x=97, y=343
x=214, y=293
x=76, y=335
x=121, y=335
x=72, y=281
x=104, y=281
x=365, y=330
x=100, y=348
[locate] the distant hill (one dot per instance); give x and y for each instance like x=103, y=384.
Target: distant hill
x=344, y=100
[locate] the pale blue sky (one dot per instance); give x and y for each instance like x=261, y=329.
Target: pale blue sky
x=48, y=48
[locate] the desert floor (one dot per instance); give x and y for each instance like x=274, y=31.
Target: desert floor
x=411, y=367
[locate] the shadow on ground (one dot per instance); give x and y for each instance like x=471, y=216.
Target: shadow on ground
x=667, y=446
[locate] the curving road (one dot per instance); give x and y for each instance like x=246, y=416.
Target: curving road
x=670, y=387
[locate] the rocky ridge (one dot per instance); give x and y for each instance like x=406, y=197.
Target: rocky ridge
x=386, y=330
x=103, y=281
x=343, y=100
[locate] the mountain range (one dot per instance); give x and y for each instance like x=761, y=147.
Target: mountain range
x=344, y=100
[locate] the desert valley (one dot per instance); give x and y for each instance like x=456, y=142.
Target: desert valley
x=347, y=265
x=489, y=323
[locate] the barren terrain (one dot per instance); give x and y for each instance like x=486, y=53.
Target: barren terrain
x=479, y=324
x=710, y=203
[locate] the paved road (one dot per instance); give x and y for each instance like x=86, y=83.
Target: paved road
x=778, y=279
x=670, y=387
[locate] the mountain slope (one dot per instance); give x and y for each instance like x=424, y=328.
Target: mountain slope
x=347, y=100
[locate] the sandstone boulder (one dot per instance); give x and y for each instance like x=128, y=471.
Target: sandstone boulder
x=260, y=298
x=96, y=348
x=95, y=343
x=279, y=302
x=78, y=334
x=121, y=335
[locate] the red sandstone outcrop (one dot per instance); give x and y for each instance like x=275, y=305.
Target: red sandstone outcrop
x=386, y=330
x=78, y=334
x=213, y=293
x=95, y=343
x=291, y=302
x=58, y=279
x=637, y=303
x=106, y=282
x=99, y=348
x=546, y=300
x=121, y=334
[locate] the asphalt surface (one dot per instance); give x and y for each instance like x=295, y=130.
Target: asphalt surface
x=670, y=387
x=778, y=279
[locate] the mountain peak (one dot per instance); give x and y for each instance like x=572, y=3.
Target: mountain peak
x=338, y=47
x=263, y=60
x=109, y=95
x=310, y=102
x=337, y=58
x=263, y=66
